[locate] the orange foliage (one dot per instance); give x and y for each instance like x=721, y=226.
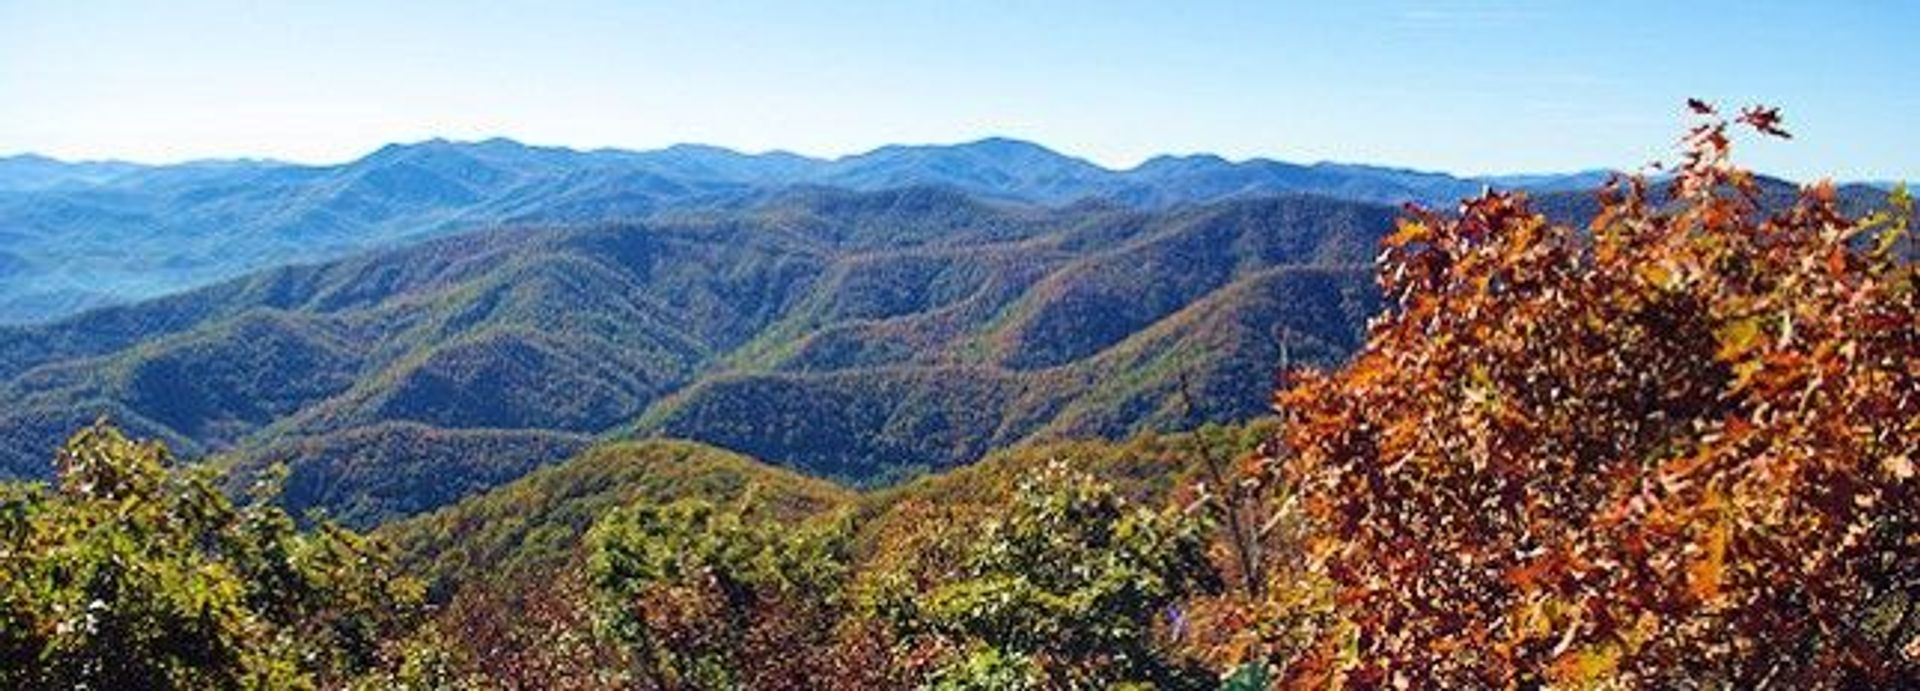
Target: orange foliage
x=1675, y=446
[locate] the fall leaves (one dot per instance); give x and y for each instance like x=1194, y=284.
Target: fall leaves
x=1675, y=445
x=1674, y=448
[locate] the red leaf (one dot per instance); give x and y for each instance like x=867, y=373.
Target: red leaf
x=1766, y=120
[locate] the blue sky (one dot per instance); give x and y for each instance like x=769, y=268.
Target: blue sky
x=1469, y=86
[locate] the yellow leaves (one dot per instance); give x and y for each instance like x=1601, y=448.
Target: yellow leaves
x=1889, y=238
x=1706, y=574
x=1739, y=337
x=1587, y=669
x=1409, y=232
x=1657, y=274
x=1479, y=391
x=1900, y=467
x=1677, y=475
x=1368, y=371
x=1893, y=223
x=1524, y=235
x=1644, y=628
x=1532, y=620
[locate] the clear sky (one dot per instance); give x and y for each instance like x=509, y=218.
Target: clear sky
x=1468, y=86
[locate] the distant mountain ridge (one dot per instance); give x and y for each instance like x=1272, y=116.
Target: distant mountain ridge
x=861, y=335
x=81, y=235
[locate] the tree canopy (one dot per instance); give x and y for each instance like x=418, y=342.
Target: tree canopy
x=133, y=573
x=1672, y=447
x=1675, y=447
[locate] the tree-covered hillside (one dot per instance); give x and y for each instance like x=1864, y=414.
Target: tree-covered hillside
x=510, y=566
x=863, y=336
x=1672, y=447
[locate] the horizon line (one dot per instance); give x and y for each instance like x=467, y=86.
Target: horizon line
x=614, y=149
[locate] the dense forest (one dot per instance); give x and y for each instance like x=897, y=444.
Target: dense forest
x=1670, y=445
x=859, y=336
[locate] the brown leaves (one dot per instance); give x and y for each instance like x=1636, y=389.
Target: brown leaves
x=1765, y=120
x=1706, y=573
x=1693, y=438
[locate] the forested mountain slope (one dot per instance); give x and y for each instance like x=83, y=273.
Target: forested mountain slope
x=530, y=528
x=847, y=334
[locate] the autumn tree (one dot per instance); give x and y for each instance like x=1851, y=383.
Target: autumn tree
x=1674, y=448
x=521, y=630
x=137, y=574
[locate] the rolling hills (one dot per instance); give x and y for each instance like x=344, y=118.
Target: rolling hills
x=523, y=533
x=836, y=317
x=863, y=336
x=532, y=525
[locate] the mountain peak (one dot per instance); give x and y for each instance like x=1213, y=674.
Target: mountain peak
x=30, y=157
x=443, y=150
x=492, y=145
x=702, y=149
x=1007, y=144
x=1169, y=163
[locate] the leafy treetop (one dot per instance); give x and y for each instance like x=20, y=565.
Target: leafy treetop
x=1678, y=445
x=135, y=574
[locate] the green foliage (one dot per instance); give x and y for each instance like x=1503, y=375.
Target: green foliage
x=1252, y=677
x=988, y=669
x=705, y=597
x=376, y=474
x=1087, y=339
x=849, y=335
x=513, y=570
x=534, y=525
x=510, y=564
x=1072, y=580
x=133, y=574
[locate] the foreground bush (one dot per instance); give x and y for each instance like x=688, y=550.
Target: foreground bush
x=704, y=596
x=1677, y=449
x=1071, y=586
x=133, y=574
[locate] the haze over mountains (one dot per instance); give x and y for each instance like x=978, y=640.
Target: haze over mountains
x=440, y=318
x=80, y=235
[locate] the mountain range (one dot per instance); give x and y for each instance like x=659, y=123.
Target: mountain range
x=861, y=336
x=81, y=235
x=495, y=308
